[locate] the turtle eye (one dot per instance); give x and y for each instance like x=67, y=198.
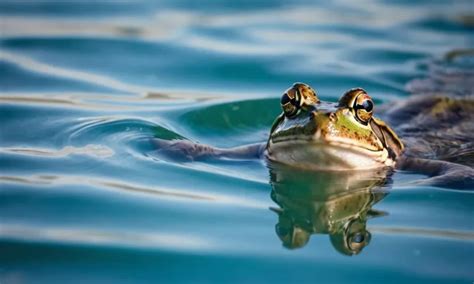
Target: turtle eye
x=367, y=105
x=358, y=238
x=298, y=96
x=283, y=231
x=285, y=99
x=363, y=106
x=289, y=103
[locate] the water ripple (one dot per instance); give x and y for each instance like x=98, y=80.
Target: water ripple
x=176, y=195
x=98, y=151
x=40, y=67
x=156, y=240
x=425, y=232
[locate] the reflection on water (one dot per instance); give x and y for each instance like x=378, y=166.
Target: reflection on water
x=338, y=204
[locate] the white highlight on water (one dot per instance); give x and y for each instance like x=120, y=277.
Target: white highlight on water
x=46, y=69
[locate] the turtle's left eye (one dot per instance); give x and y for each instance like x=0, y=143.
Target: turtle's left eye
x=367, y=105
x=364, y=107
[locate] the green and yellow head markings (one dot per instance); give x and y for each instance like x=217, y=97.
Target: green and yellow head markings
x=345, y=134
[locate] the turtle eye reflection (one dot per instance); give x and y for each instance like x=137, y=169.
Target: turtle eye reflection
x=358, y=238
x=283, y=231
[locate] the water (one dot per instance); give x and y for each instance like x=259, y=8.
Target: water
x=84, y=85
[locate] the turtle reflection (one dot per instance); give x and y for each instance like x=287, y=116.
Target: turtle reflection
x=334, y=203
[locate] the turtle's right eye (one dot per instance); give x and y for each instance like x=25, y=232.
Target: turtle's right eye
x=289, y=104
x=285, y=99
x=298, y=96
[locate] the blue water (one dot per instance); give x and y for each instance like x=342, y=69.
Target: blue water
x=85, y=85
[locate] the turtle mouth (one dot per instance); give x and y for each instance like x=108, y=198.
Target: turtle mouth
x=317, y=140
x=326, y=155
